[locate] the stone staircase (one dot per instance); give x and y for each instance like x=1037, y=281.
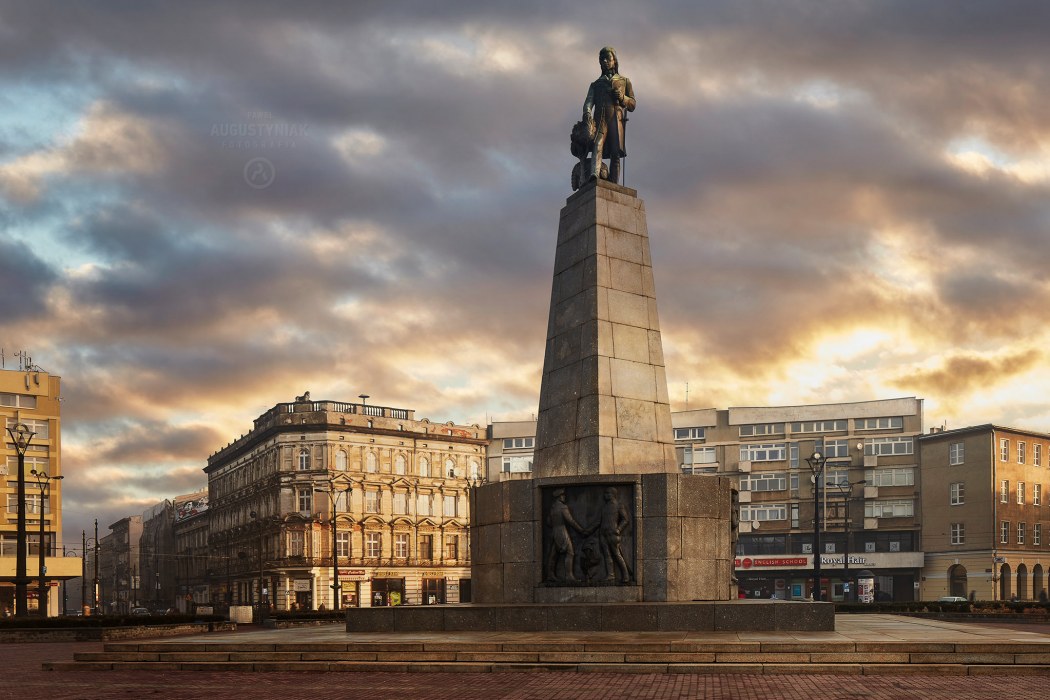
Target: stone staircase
x=624, y=655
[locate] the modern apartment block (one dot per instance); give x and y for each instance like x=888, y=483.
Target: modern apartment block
x=986, y=528
x=31, y=396
x=510, y=450
x=396, y=486
x=867, y=498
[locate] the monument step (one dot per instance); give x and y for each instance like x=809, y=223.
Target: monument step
x=627, y=656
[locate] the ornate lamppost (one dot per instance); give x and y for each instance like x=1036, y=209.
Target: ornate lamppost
x=332, y=492
x=43, y=481
x=21, y=435
x=816, y=463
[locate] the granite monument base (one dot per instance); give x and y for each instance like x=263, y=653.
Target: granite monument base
x=703, y=616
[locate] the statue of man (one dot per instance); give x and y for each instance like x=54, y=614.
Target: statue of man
x=614, y=519
x=560, y=519
x=607, y=98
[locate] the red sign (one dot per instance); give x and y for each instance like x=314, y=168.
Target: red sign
x=748, y=562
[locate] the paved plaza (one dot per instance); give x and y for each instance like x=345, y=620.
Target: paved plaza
x=23, y=676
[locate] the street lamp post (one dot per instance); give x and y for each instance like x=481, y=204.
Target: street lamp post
x=263, y=606
x=43, y=481
x=816, y=464
x=22, y=436
x=98, y=553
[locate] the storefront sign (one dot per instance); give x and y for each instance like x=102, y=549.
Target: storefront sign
x=301, y=585
x=353, y=575
x=833, y=560
x=386, y=574
x=748, y=562
x=871, y=560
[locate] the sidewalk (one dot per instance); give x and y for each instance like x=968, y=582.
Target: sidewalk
x=22, y=677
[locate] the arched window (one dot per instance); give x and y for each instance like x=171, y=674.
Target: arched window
x=399, y=464
x=450, y=468
x=304, y=459
x=371, y=463
x=424, y=467
x=340, y=460
x=475, y=470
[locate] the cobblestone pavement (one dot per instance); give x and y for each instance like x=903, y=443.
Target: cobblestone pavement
x=21, y=677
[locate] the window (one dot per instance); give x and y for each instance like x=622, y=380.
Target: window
x=903, y=476
x=342, y=544
x=306, y=501
x=1020, y=493
x=836, y=477
x=835, y=449
x=42, y=428
x=763, y=512
x=475, y=470
x=889, y=509
x=400, y=545
x=1021, y=452
x=450, y=469
x=426, y=547
x=450, y=509
x=18, y=400
x=304, y=460
x=1004, y=450
x=400, y=503
x=399, y=464
x=1021, y=532
x=889, y=446
x=1037, y=533
x=295, y=543
x=371, y=463
x=794, y=515
x=342, y=502
x=519, y=443
x=765, y=481
x=880, y=423
x=1004, y=491
x=424, y=467
x=423, y=504
x=699, y=455
x=371, y=501
x=819, y=426
x=793, y=450
x=372, y=545
x=761, y=429
x=340, y=460
x=1004, y=532
x=1037, y=494
x=517, y=464
x=763, y=453
x=452, y=547
x=32, y=503
x=958, y=533
x=689, y=434
x=956, y=453
x=1037, y=454
x=957, y=493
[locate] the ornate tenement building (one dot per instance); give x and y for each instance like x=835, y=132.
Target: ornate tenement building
x=31, y=396
x=986, y=528
x=396, y=485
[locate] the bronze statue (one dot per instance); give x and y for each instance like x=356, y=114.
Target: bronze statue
x=601, y=133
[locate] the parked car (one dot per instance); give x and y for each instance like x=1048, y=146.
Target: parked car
x=141, y=612
x=952, y=599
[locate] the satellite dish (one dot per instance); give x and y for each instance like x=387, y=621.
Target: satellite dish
x=755, y=524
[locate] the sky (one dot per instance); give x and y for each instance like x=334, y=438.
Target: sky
x=209, y=208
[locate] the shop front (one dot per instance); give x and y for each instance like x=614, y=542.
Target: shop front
x=388, y=591
x=790, y=577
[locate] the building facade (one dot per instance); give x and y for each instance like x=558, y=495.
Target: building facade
x=987, y=525
x=866, y=499
x=196, y=569
x=31, y=396
x=395, y=489
x=119, y=568
x=157, y=557
x=510, y=450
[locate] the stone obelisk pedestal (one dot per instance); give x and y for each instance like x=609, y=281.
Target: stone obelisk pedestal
x=603, y=435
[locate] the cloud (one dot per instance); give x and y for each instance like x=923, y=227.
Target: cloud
x=963, y=374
